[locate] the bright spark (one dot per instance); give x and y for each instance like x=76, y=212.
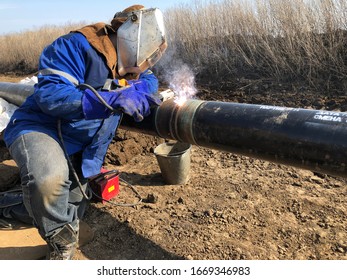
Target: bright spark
x=183, y=85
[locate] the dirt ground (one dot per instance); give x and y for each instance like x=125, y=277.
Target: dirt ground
x=233, y=207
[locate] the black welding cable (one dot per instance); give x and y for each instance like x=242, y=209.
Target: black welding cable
x=86, y=86
x=82, y=86
x=91, y=193
x=122, y=204
x=60, y=135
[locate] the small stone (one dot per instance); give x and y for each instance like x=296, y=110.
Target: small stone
x=151, y=198
x=340, y=249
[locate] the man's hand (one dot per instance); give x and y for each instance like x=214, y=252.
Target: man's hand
x=129, y=100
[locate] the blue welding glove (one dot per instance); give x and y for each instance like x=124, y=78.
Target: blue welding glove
x=128, y=100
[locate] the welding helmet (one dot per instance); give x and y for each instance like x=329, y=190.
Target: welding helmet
x=141, y=40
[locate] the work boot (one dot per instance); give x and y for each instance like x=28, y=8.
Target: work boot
x=62, y=245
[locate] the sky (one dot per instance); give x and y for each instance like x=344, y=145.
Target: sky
x=24, y=15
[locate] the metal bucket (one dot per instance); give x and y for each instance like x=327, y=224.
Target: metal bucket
x=174, y=162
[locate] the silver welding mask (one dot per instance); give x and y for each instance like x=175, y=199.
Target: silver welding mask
x=141, y=41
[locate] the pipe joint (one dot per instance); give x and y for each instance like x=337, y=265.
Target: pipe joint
x=173, y=121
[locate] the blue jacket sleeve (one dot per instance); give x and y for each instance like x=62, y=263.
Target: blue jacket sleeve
x=147, y=82
x=54, y=94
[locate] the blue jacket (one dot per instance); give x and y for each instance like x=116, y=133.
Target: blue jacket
x=55, y=97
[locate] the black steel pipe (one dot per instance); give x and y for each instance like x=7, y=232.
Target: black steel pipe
x=309, y=139
x=15, y=93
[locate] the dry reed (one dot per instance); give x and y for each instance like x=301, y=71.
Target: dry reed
x=19, y=52
x=290, y=41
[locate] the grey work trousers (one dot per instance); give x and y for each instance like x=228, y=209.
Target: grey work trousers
x=51, y=195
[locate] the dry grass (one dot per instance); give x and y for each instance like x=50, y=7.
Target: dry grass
x=19, y=52
x=290, y=41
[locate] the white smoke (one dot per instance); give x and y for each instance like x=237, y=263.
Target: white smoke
x=179, y=77
x=181, y=81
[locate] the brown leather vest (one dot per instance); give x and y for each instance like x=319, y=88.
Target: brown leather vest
x=97, y=36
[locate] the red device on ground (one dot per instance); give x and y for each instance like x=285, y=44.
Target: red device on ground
x=105, y=186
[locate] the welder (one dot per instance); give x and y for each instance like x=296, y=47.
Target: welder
x=59, y=137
